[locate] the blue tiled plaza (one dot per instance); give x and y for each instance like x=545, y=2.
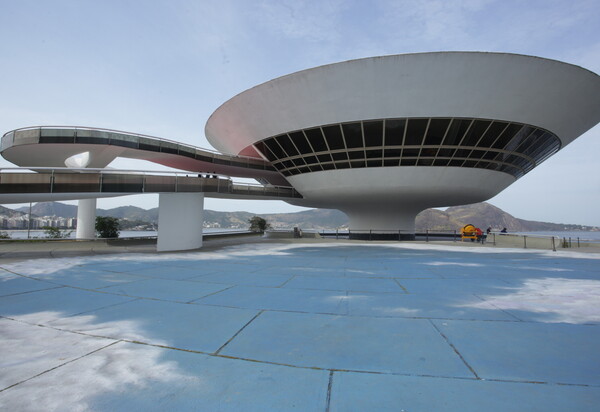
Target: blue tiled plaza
x=312, y=326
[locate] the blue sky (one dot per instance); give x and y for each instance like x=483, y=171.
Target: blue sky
x=162, y=67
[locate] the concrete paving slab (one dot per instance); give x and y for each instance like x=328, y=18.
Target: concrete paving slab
x=28, y=350
x=171, y=272
x=362, y=392
x=171, y=290
x=345, y=283
x=424, y=306
x=455, y=287
x=177, y=325
x=312, y=301
x=57, y=302
x=340, y=342
x=244, y=278
x=150, y=378
x=87, y=279
x=556, y=353
x=12, y=284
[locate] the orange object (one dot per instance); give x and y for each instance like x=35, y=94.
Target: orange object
x=469, y=232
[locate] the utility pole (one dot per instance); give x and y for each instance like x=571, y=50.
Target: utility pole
x=29, y=221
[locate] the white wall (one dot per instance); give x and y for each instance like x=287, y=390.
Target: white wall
x=562, y=98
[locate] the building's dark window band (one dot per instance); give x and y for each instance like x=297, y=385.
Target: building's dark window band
x=509, y=147
x=428, y=150
x=411, y=161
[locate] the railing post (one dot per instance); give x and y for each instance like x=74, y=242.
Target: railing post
x=494, y=235
x=570, y=244
x=51, y=182
x=553, y=245
x=336, y=234
x=578, y=242
x=370, y=234
x=524, y=242
x=454, y=238
x=426, y=235
x=399, y=234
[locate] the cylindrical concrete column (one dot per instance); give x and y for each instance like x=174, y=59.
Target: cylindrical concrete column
x=86, y=219
x=180, y=218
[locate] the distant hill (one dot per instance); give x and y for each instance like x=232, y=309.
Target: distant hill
x=479, y=214
x=51, y=209
x=483, y=215
x=4, y=211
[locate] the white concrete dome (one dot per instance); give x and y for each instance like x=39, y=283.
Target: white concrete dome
x=383, y=138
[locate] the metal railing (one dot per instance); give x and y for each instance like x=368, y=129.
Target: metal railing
x=89, y=180
x=91, y=135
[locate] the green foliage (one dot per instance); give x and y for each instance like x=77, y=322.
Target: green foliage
x=55, y=233
x=258, y=224
x=4, y=235
x=107, y=227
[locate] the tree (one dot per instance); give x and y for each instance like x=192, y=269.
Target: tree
x=107, y=227
x=258, y=224
x=55, y=233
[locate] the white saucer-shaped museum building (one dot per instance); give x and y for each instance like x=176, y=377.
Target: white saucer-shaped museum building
x=384, y=138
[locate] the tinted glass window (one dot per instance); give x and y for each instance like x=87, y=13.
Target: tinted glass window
x=475, y=132
x=437, y=130
x=262, y=148
x=373, y=133
x=492, y=134
x=457, y=130
x=415, y=131
x=518, y=138
x=531, y=140
x=339, y=156
x=300, y=142
x=285, y=142
x=324, y=158
x=506, y=136
x=394, y=132
x=353, y=135
x=393, y=152
x=310, y=159
x=315, y=137
x=275, y=148
x=359, y=154
x=333, y=134
x=372, y=154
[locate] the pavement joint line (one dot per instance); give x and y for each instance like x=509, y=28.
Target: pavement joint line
x=59, y=366
x=499, y=308
x=286, y=282
x=119, y=284
x=455, y=350
x=329, y=386
x=238, y=332
x=213, y=354
x=103, y=307
x=401, y=286
x=211, y=294
x=30, y=291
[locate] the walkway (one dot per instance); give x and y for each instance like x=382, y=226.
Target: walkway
x=315, y=326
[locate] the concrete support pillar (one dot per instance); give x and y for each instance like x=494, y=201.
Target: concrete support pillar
x=180, y=218
x=86, y=219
